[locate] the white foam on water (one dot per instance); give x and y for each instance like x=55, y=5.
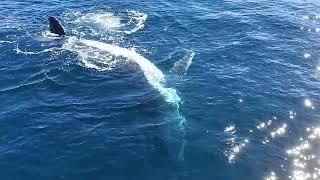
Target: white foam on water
x=4, y=41
x=50, y=35
x=181, y=67
x=19, y=51
x=138, y=19
x=101, y=22
x=100, y=19
x=102, y=56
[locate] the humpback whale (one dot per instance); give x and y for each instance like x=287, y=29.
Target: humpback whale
x=83, y=47
x=95, y=54
x=55, y=27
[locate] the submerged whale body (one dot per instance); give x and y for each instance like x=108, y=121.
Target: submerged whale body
x=83, y=47
x=55, y=27
x=95, y=54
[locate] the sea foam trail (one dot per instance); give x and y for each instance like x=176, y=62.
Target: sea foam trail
x=106, y=53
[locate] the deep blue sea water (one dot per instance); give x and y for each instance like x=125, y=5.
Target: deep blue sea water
x=155, y=90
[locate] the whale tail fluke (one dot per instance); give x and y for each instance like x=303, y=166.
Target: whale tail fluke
x=55, y=26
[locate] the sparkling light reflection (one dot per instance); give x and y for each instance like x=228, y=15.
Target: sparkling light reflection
x=235, y=144
x=272, y=176
x=307, y=55
x=280, y=131
x=303, y=157
x=308, y=103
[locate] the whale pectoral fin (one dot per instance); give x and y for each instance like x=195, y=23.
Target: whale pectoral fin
x=181, y=66
x=55, y=26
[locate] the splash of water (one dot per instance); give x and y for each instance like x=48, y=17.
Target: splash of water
x=137, y=19
x=100, y=19
x=102, y=22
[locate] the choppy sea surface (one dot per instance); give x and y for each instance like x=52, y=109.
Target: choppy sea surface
x=155, y=90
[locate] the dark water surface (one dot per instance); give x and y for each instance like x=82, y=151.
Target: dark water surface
x=155, y=90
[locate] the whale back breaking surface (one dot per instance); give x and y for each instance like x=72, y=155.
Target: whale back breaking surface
x=55, y=26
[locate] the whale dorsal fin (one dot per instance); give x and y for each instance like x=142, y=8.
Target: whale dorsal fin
x=55, y=26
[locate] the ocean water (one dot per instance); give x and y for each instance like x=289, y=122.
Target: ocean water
x=155, y=90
